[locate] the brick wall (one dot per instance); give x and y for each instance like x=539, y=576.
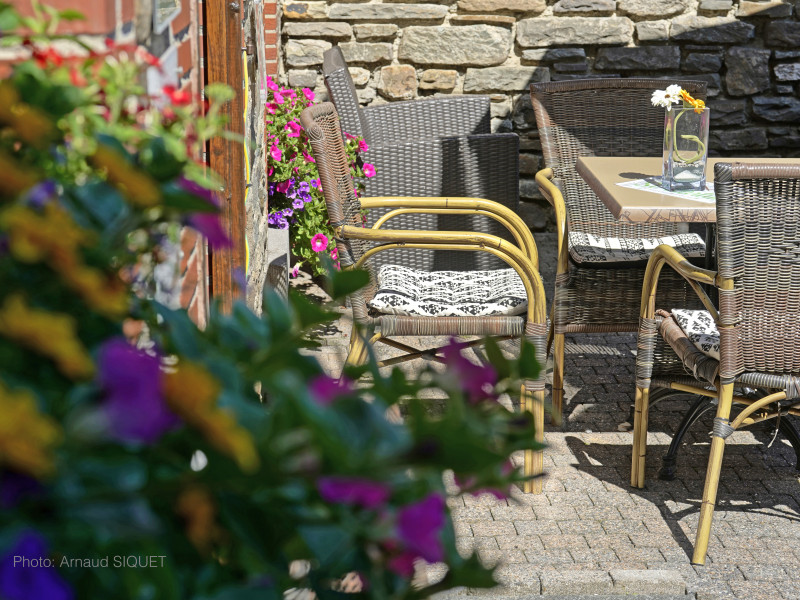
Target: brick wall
x=746, y=50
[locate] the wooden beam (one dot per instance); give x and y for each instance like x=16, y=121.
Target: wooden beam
x=223, y=61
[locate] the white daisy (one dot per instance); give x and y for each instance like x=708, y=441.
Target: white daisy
x=659, y=98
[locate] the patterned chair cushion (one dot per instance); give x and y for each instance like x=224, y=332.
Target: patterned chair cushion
x=699, y=327
x=404, y=291
x=587, y=248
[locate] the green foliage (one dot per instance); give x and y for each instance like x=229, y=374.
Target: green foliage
x=169, y=451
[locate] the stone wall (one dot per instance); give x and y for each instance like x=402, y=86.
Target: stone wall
x=748, y=52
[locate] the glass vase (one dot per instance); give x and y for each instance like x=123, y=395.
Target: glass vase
x=685, y=149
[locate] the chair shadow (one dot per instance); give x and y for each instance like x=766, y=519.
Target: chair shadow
x=593, y=459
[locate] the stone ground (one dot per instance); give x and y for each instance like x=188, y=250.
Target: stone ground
x=590, y=534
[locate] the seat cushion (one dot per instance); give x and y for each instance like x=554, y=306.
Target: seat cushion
x=404, y=291
x=699, y=327
x=586, y=248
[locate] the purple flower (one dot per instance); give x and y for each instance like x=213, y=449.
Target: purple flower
x=134, y=404
x=403, y=564
x=304, y=187
x=210, y=227
x=283, y=223
x=298, y=204
x=15, y=486
x=315, y=183
x=325, y=389
x=477, y=381
x=288, y=212
x=42, y=193
x=295, y=271
x=198, y=190
x=20, y=579
x=354, y=490
x=418, y=527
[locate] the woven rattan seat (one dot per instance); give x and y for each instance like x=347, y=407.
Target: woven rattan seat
x=440, y=146
x=758, y=282
x=358, y=244
x=597, y=117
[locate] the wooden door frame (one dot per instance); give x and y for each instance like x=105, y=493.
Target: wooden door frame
x=222, y=42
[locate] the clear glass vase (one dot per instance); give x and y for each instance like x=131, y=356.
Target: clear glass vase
x=685, y=149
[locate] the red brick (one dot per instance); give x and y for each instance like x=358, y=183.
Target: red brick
x=185, y=56
x=271, y=53
x=183, y=19
x=100, y=14
x=128, y=10
x=271, y=38
x=270, y=23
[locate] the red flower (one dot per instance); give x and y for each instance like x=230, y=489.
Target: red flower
x=148, y=58
x=110, y=43
x=176, y=96
x=76, y=77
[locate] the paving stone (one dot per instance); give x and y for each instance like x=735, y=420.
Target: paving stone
x=575, y=582
x=493, y=528
x=632, y=582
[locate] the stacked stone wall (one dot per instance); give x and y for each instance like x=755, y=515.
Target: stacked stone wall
x=748, y=52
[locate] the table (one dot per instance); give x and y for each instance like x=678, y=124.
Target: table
x=603, y=173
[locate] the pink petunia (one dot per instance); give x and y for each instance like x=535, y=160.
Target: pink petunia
x=369, y=170
x=335, y=253
x=275, y=153
x=362, y=146
x=354, y=490
x=295, y=271
x=270, y=171
x=477, y=381
x=288, y=92
x=308, y=157
x=402, y=564
x=419, y=525
x=278, y=97
x=294, y=129
x=272, y=108
x=325, y=389
x=272, y=85
x=283, y=186
x=308, y=94
x=319, y=242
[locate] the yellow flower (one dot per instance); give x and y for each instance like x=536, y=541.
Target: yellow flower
x=196, y=507
x=50, y=334
x=136, y=185
x=53, y=236
x=698, y=105
x=192, y=393
x=31, y=124
x=27, y=437
x=16, y=178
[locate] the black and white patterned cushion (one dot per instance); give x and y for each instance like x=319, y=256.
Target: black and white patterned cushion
x=404, y=291
x=699, y=327
x=587, y=248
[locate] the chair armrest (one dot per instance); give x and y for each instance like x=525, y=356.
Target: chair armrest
x=668, y=255
x=428, y=118
x=493, y=210
x=456, y=240
x=552, y=194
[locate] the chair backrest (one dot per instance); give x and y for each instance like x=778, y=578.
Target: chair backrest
x=321, y=123
x=600, y=117
x=342, y=93
x=758, y=238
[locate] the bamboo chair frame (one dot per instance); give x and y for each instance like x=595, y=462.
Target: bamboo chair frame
x=595, y=117
x=357, y=245
x=720, y=377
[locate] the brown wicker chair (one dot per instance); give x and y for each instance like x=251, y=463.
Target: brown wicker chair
x=440, y=146
x=357, y=245
x=758, y=281
x=597, y=117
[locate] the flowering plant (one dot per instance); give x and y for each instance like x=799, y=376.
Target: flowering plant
x=154, y=470
x=674, y=94
x=295, y=196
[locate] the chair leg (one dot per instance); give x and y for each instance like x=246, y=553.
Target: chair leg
x=712, y=475
x=558, y=379
x=639, y=448
x=533, y=461
x=357, y=355
x=670, y=460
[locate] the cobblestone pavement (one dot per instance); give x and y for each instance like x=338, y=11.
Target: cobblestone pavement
x=590, y=534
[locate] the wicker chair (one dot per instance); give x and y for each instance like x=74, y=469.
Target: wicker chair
x=597, y=117
x=756, y=331
x=430, y=147
x=357, y=244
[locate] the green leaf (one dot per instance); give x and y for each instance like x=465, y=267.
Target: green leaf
x=71, y=15
x=9, y=19
x=344, y=283
x=174, y=196
x=309, y=313
x=159, y=162
x=529, y=367
x=327, y=542
x=499, y=362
